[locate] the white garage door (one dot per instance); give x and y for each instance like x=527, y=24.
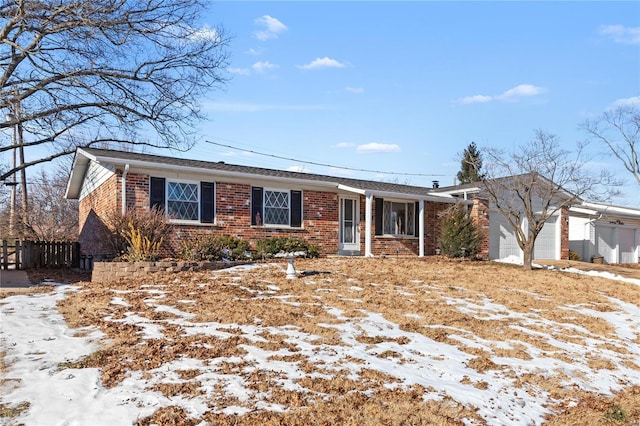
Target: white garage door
x=546, y=246
x=605, y=243
x=502, y=238
x=627, y=241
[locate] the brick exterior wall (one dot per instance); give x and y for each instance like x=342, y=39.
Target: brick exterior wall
x=480, y=215
x=564, y=233
x=92, y=210
x=233, y=211
x=402, y=246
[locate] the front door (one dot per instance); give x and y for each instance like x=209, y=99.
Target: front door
x=349, y=224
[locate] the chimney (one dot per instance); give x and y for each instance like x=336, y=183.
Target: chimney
x=436, y=184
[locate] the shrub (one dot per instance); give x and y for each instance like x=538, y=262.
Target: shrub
x=268, y=247
x=459, y=235
x=574, y=256
x=214, y=247
x=137, y=227
x=139, y=246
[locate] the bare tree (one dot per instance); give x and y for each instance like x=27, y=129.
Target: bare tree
x=619, y=130
x=535, y=181
x=80, y=73
x=52, y=217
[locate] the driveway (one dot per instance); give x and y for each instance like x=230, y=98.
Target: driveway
x=626, y=271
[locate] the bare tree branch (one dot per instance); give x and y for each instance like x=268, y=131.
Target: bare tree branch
x=535, y=181
x=619, y=131
x=116, y=70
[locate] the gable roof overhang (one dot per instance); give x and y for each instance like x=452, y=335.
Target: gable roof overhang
x=237, y=173
x=599, y=210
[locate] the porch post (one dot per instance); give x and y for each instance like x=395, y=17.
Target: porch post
x=368, y=210
x=421, y=229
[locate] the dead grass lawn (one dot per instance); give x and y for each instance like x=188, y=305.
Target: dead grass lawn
x=472, y=306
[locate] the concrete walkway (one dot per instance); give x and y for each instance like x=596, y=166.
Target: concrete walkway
x=12, y=279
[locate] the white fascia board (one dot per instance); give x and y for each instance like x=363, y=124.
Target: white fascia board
x=584, y=211
x=348, y=188
x=612, y=210
x=472, y=190
x=78, y=172
x=415, y=197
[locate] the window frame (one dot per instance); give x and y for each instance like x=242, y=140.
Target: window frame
x=264, y=207
x=198, y=202
x=408, y=220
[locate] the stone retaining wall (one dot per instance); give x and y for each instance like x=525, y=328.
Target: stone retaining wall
x=114, y=271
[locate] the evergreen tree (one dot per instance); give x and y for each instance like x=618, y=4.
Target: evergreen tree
x=459, y=235
x=470, y=165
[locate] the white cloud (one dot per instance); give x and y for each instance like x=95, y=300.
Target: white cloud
x=254, y=52
x=620, y=33
x=475, y=99
x=520, y=91
x=344, y=145
x=325, y=62
x=272, y=26
x=354, y=89
x=374, y=147
x=263, y=66
x=625, y=102
x=205, y=33
x=510, y=95
x=239, y=71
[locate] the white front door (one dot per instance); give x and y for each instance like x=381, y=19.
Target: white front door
x=349, y=224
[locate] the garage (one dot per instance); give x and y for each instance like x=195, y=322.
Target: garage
x=627, y=243
x=502, y=238
x=547, y=243
x=605, y=243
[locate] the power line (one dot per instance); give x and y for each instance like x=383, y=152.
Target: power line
x=320, y=164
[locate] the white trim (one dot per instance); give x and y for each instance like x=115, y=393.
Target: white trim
x=421, y=228
x=368, y=212
x=199, y=201
x=276, y=225
x=355, y=245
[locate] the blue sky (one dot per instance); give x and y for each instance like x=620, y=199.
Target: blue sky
x=406, y=86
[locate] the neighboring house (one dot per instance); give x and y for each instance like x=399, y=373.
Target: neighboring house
x=552, y=242
x=610, y=232
x=340, y=215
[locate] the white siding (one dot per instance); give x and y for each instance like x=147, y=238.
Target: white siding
x=502, y=238
x=96, y=175
x=547, y=244
x=605, y=243
x=627, y=245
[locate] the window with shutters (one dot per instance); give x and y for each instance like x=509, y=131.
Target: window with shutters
x=276, y=207
x=183, y=200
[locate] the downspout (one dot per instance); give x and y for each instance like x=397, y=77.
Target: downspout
x=124, y=189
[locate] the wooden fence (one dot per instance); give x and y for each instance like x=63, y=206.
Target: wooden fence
x=39, y=254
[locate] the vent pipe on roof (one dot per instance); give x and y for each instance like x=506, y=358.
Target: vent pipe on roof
x=436, y=184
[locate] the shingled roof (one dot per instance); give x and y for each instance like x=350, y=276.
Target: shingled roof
x=115, y=157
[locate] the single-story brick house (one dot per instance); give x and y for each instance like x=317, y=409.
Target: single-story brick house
x=340, y=215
